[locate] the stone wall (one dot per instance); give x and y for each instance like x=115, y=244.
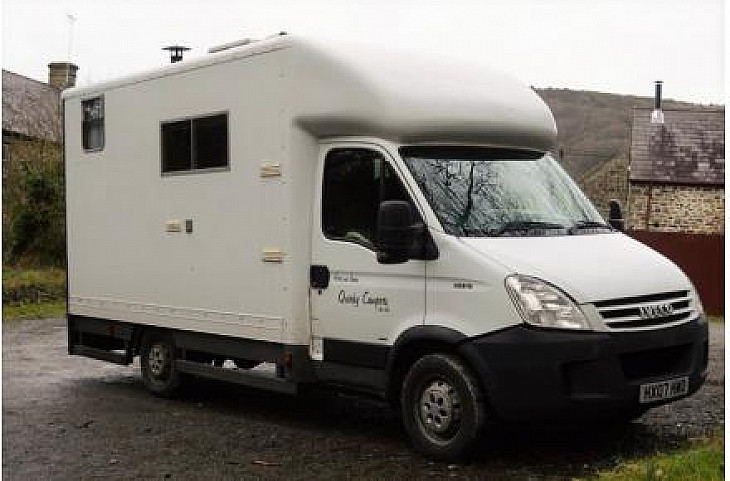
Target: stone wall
x=677, y=208
x=690, y=209
x=608, y=181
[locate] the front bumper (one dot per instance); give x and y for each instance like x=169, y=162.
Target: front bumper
x=532, y=373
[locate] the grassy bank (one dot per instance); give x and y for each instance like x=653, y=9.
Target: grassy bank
x=702, y=460
x=33, y=293
x=22, y=286
x=35, y=310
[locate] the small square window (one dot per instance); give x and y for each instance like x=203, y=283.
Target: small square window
x=195, y=144
x=93, y=124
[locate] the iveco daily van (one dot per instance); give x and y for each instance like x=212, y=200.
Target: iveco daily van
x=379, y=222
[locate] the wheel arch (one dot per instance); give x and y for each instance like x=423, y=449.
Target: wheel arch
x=415, y=343
x=138, y=333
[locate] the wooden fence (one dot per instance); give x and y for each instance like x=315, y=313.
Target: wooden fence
x=701, y=257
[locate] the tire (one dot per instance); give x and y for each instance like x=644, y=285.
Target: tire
x=157, y=361
x=442, y=406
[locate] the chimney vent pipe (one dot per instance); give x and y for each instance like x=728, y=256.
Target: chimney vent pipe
x=657, y=116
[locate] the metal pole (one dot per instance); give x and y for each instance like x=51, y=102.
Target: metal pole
x=71, y=20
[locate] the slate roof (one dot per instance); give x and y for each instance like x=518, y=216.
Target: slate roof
x=31, y=108
x=689, y=148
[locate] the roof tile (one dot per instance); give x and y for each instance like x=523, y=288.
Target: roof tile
x=688, y=148
x=31, y=108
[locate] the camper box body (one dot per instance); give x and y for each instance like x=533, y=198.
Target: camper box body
x=237, y=260
x=242, y=270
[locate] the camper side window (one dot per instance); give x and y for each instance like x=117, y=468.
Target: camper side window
x=355, y=182
x=195, y=144
x=92, y=124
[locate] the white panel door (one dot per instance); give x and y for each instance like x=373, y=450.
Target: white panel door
x=364, y=302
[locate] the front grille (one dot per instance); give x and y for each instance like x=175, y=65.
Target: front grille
x=651, y=310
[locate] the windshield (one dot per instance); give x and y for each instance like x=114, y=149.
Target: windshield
x=477, y=192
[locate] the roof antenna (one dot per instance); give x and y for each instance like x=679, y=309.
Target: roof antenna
x=71, y=20
x=176, y=52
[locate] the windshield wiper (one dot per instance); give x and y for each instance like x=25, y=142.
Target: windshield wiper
x=523, y=225
x=588, y=224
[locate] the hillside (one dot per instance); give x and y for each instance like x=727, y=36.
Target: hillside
x=594, y=127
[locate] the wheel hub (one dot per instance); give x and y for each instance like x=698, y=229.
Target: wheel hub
x=439, y=411
x=158, y=359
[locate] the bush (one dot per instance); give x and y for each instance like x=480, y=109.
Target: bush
x=34, y=218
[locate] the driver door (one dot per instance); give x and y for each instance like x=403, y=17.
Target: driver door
x=358, y=305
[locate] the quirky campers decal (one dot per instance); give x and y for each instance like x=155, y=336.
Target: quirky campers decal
x=358, y=299
x=365, y=299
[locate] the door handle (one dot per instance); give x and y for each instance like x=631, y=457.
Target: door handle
x=319, y=277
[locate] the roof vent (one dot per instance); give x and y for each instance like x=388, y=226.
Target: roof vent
x=657, y=116
x=240, y=43
x=176, y=52
x=229, y=45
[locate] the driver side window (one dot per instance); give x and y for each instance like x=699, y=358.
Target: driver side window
x=356, y=181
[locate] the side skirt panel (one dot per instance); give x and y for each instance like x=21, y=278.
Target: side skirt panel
x=350, y=365
x=118, y=342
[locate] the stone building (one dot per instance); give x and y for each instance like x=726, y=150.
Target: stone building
x=31, y=114
x=608, y=180
x=677, y=172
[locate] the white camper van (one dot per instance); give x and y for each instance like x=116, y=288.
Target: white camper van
x=284, y=212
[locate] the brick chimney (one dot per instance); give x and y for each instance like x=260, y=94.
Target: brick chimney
x=62, y=75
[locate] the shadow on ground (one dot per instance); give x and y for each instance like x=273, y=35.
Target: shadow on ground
x=349, y=425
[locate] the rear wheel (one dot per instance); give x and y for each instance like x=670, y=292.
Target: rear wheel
x=157, y=361
x=442, y=406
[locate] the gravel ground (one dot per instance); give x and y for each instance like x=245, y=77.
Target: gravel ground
x=66, y=417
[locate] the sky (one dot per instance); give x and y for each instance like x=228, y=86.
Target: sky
x=618, y=46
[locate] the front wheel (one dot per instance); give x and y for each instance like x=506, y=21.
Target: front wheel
x=157, y=361
x=442, y=406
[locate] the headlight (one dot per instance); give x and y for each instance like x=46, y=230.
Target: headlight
x=543, y=305
x=697, y=302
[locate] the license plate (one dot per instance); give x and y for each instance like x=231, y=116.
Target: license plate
x=658, y=391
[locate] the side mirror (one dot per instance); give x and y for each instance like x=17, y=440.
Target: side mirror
x=396, y=231
x=615, y=216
